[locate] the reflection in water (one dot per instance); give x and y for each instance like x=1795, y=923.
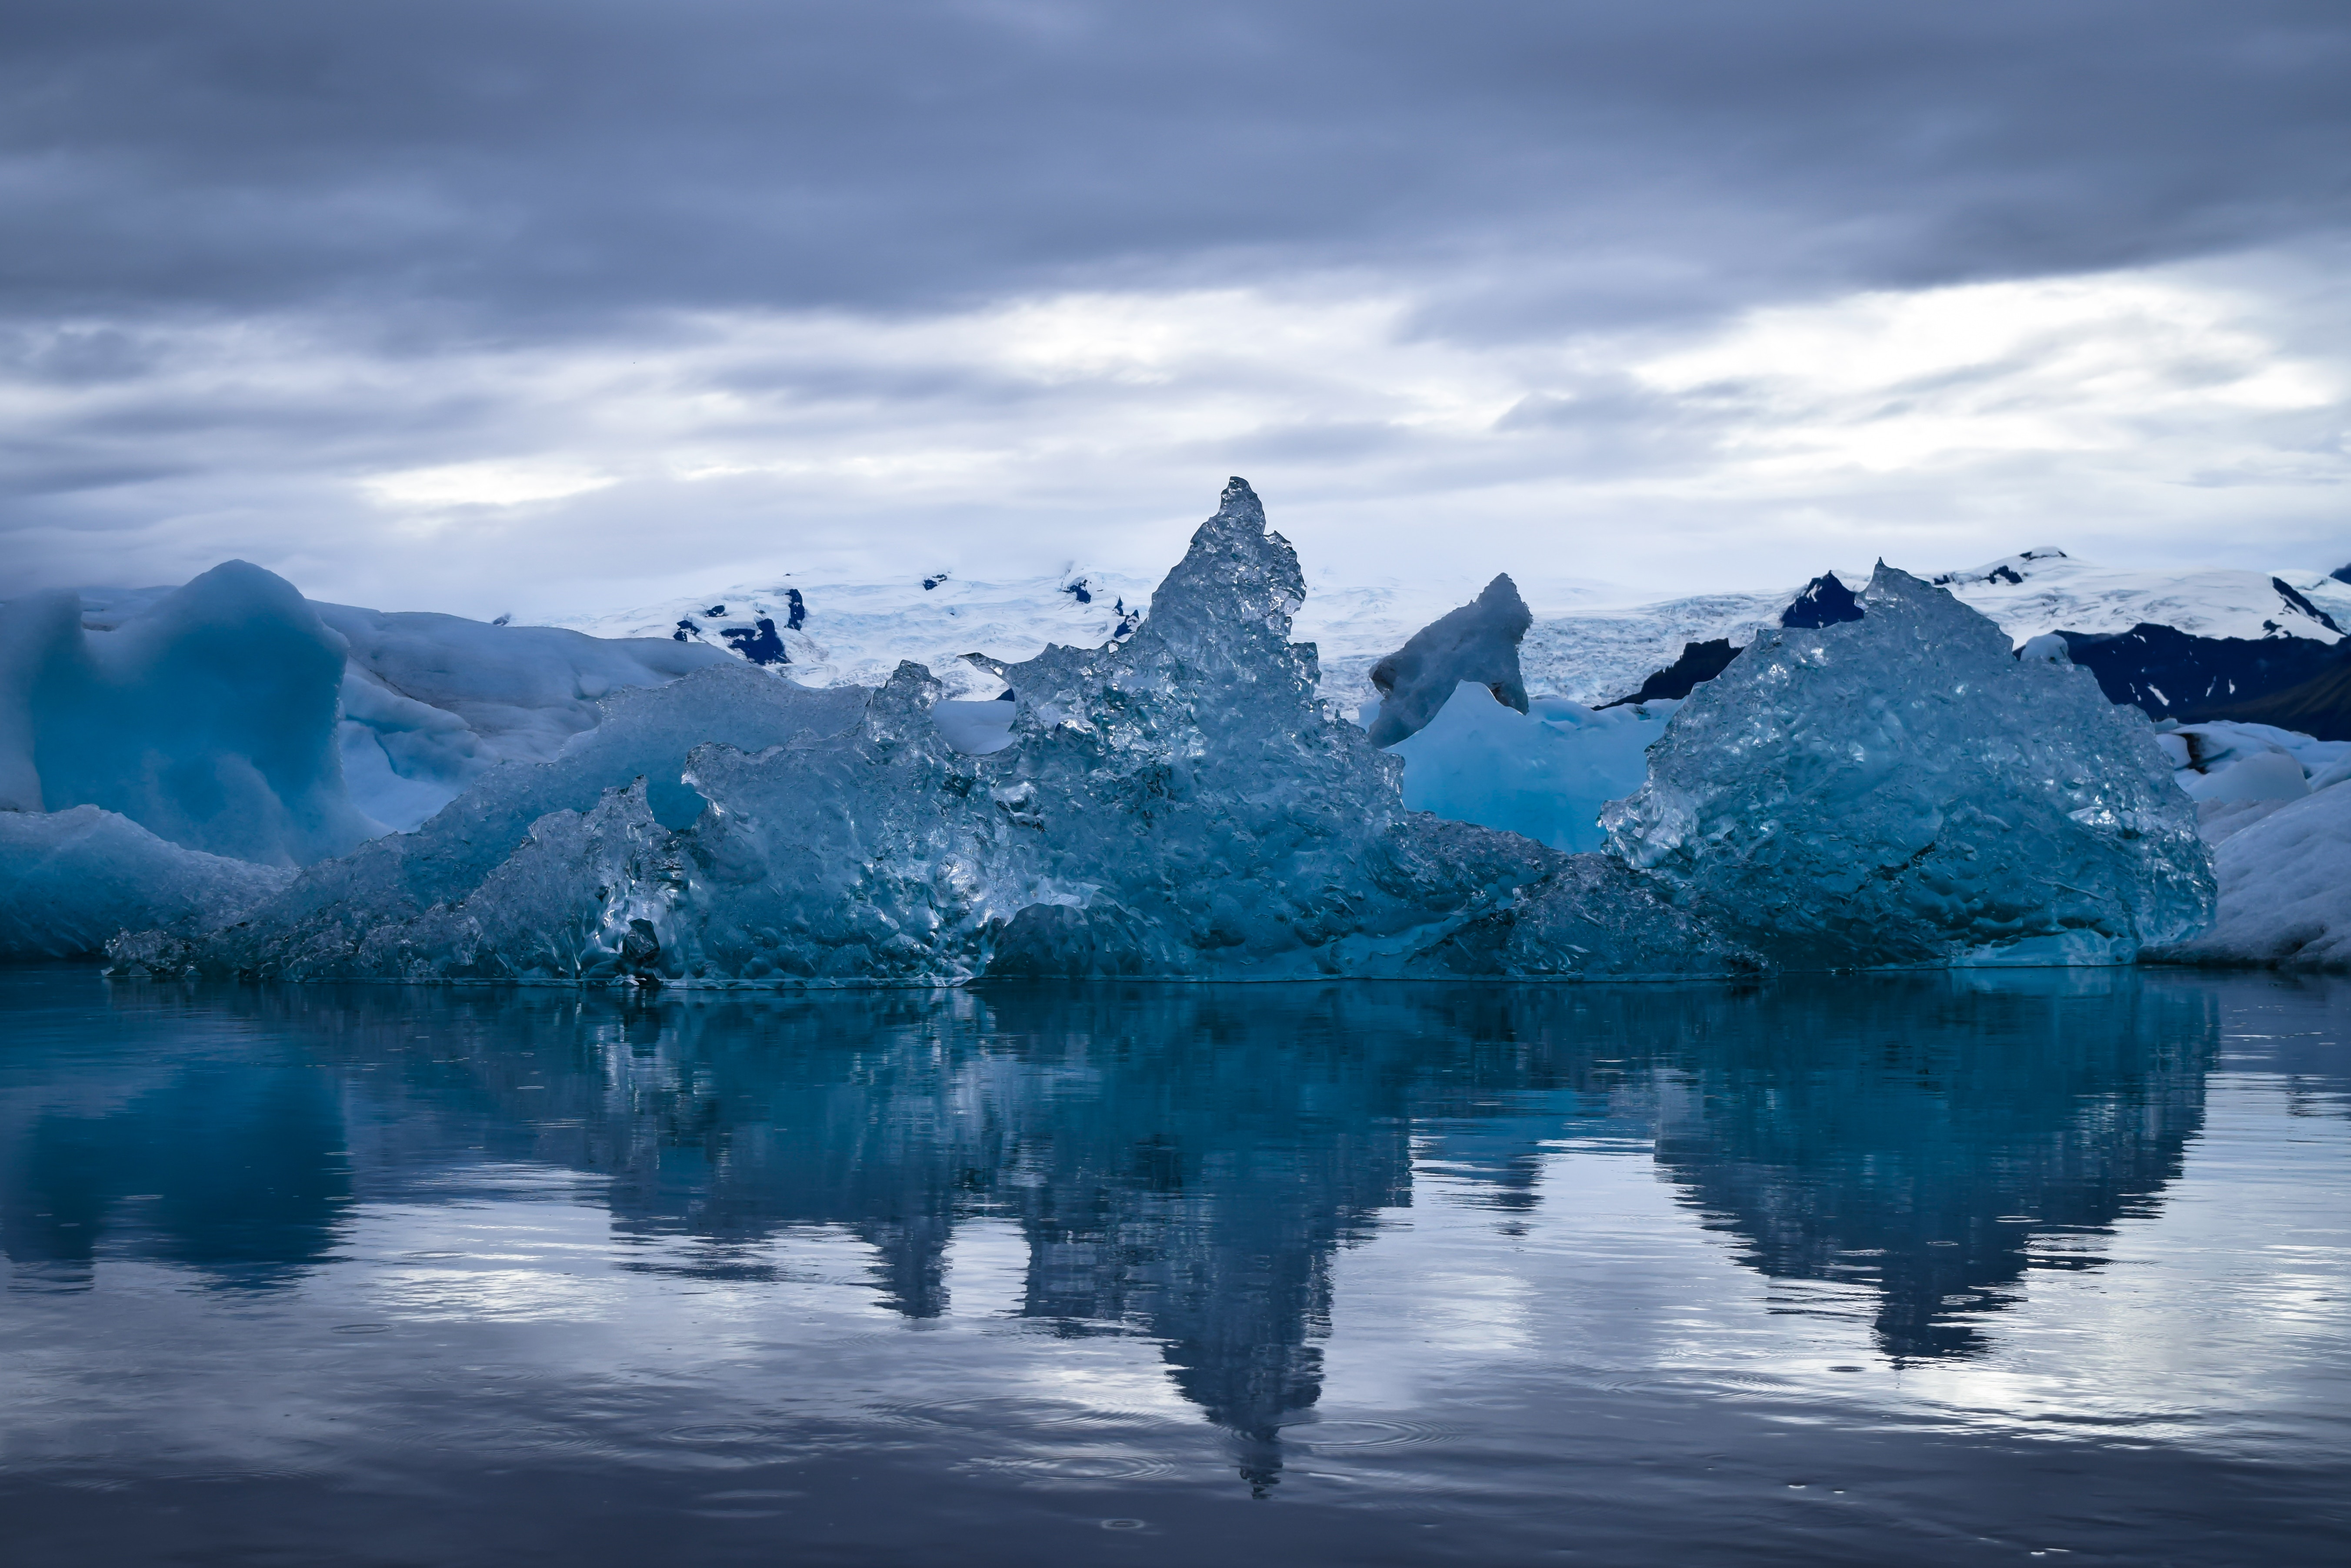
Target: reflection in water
x=1184, y=1162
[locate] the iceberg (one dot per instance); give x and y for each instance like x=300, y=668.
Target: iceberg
x=1478, y=643
x=326, y=920
x=71, y=880
x=208, y=717
x=1901, y=790
x=2284, y=883
x=1178, y=803
x=429, y=703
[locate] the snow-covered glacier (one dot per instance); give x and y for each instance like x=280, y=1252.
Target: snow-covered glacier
x=1180, y=803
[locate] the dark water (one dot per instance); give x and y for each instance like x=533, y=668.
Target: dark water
x=1915, y=1270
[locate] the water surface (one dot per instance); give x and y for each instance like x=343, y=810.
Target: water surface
x=1918, y=1269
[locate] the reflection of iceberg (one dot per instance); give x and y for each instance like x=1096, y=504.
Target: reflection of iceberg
x=1178, y=804
x=1184, y=1163
x=1844, y=1142
x=138, y=1167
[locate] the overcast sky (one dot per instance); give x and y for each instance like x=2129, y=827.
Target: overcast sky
x=561, y=305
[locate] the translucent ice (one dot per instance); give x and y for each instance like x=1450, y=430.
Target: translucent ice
x=70, y=879
x=1900, y=790
x=1544, y=773
x=322, y=921
x=209, y=717
x=1178, y=805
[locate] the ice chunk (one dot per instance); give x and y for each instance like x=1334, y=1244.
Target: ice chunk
x=2209, y=755
x=1479, y=643
x=317, y=925
x=1899, y=790
x=2048, y=648
x=1180, y=804
x=2285, y=889
x=208, y=717
x=1544, y=774
x=1177, y=804
x=71, y=880
x=430, y=702
x=2266, y=776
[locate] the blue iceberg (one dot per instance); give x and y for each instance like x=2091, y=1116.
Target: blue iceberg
x=1902, y=789
x=1178, y=804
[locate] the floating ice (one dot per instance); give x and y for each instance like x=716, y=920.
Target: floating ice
x=1900, y=790
x=2207, y=758
x=326, y=921
x=208, y=717
x=432, y=702
x=1544, y=773
x=1477, y=642
x=1180, y=805
x=2285, y=886
x=2265, y=776
x=70, y=879
x=1176, y=805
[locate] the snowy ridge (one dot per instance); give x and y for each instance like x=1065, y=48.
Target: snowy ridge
x=1588, y=644
x=855, y=634
x=1600, y=654
x=2048, y=591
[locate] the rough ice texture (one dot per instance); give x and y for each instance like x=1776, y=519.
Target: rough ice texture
x=1477, y=642
x=354, y=914
x=70, y=879
x=1900, y=790
x=1543, y=774
x=208, y=717
x=1178, y=805
x=2284, y=871
x=432, y=702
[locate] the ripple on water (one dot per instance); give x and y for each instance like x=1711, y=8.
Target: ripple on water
x=1313, y=1435
x=1007, y=1411
x=1086, y=1467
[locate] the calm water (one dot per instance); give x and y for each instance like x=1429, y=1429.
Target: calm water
x=1911, y=1269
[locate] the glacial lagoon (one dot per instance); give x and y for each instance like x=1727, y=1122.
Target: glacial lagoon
x=1951, y=1267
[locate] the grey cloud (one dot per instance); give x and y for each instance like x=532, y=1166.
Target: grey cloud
x=549, y=164
x=260, y=250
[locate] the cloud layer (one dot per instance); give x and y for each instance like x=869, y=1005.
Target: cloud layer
x=536, y=306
